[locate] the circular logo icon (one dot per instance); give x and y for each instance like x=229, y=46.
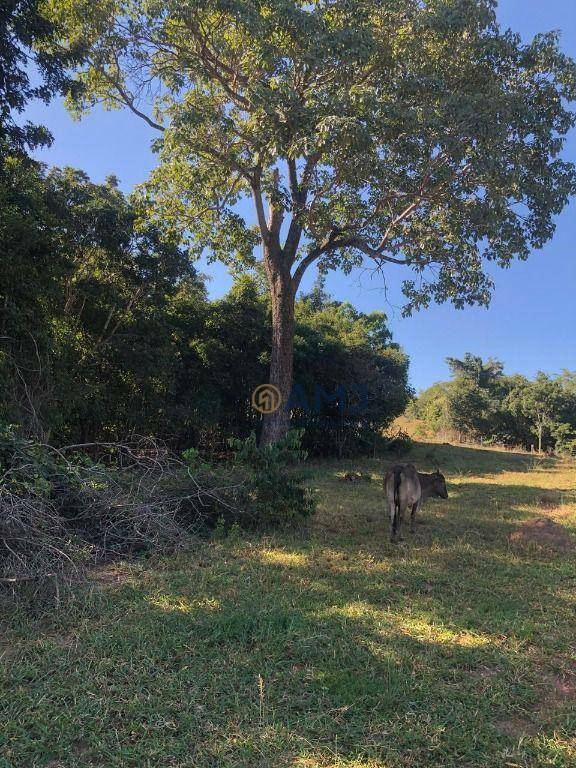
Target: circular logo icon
x=266, y=398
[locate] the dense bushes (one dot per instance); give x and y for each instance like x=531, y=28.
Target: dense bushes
x=271, y=491
x=481, y=403
x=106, y=331
x=351, y=380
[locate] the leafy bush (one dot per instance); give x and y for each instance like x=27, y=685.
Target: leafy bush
x=399, y=443
x=272, y=491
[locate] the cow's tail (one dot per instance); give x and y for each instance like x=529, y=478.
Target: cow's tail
x=397, y=481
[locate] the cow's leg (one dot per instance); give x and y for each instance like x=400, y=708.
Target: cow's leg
x=413, y=516
x=400, y=521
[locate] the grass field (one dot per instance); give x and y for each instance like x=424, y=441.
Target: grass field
x=322, y=647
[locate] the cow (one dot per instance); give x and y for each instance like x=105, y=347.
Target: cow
x=405, y=487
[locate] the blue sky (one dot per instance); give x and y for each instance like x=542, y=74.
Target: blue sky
x=531, y=322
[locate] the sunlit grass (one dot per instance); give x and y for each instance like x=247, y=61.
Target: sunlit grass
x=325, y=647
x=287, y=559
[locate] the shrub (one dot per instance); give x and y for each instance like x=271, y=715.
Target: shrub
x=399, y=443
x=272, y=492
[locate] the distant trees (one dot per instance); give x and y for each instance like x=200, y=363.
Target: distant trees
x=432, y=408
x=547, y=409
x=474, y=394
x=106, y=330
x=481, y=402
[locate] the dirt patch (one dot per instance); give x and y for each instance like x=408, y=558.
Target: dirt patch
x=556, y=692
x=560, y=690
x=545, y=533
x=63, y=640
x=517, y=727
x=7, y=651
x=486, y=672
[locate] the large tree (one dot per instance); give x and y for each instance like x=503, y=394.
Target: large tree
x=402, y=132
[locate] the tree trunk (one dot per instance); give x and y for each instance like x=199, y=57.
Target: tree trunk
x=282, y=291
x=539, y=438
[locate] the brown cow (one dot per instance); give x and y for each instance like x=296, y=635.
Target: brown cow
x=405, y=487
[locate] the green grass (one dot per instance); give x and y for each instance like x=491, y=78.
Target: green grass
x=322, y=647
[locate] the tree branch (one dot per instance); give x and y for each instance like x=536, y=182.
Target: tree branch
x=261, y=215
x=137, y=112
x=333, y=243
x=128, y=100
x=309, y=259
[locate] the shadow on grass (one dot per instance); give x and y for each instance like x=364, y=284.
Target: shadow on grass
x=319, y=648
x=281, y=650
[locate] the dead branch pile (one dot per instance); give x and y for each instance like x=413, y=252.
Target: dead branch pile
x=62, y=510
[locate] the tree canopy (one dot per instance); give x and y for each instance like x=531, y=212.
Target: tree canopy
x=32, y=66
x=416, y=133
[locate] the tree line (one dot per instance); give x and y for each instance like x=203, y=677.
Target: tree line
x=481, y=402
x=410, y=135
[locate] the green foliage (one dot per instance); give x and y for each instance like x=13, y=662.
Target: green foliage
x=351, y=379
x=106, y=330
x=432, y=407
x=268, y=457
x=406, y=132
x=29, y=41
x=89, y=308
x=272, y=490
x=399, y=443
x=543, y=404
x=24, y=465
